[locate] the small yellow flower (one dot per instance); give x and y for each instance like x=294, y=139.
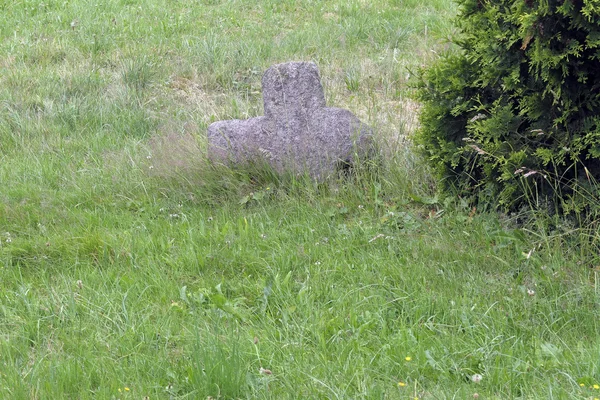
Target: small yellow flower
x=127, y=389
x=401, y=384
x=596, y=386
x=119, y=390
x=582, y=384
x=407, y=358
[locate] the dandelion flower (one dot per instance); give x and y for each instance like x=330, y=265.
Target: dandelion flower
x=126, y=389
x=401, y=384
x=408, y=358
x=596, y=386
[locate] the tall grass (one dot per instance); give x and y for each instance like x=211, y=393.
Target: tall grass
x=132, y=268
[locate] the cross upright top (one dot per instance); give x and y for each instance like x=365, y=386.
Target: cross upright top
x=293, y=90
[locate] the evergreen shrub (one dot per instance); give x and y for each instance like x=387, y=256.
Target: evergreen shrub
x=514, y=114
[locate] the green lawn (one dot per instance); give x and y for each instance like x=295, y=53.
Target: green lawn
x=131, y=269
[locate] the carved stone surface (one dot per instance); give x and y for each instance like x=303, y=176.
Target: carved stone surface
x=297, y=132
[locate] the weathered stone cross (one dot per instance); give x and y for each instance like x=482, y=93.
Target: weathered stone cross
x=298, y=132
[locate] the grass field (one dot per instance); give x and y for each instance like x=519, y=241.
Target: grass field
x=131, y=269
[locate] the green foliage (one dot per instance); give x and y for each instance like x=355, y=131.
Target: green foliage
x=517, y=111
x=131, y=269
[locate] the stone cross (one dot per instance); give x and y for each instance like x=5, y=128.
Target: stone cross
x=298, y=132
